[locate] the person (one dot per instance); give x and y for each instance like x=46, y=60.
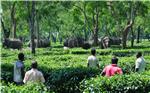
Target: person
x=92, y=61
x=139, y=63
x=112, y=69
x=33, y=75
x=19, y=70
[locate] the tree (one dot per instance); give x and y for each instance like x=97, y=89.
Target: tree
x=138, y=34
x=31, y=19
x=127, y=12
x=13, y=19
x=125, y=33
x=37, y=27
x=5, y=22
x=91, y=14
x=137, y=9
x=84, y=19
x=5, y=30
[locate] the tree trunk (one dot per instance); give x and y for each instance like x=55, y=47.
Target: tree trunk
x=86, y=19
x=85, y=34
x=53, y=38
x=38, y=38
x=49, y=35
x=32, y=27
x=13, y=20
x=132, y=18
x=85, y=22
x=125, y=34
x=132, y=37
x=95, y=32
x=138, y=34
x=60, y=39
x=124, y=39
x=148, y=37
x=37, y=28
x=31, y=20
x=5, y=30
x=35, y=31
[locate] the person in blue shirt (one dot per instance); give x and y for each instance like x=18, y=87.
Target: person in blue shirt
x=19, y=70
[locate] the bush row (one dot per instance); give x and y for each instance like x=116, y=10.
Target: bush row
x=75, y=80
x=133, y=83
x=58, y=80
x=63, y=79
x=47, y=51
x=29, y=88
x=119, y=53
x=68, y=79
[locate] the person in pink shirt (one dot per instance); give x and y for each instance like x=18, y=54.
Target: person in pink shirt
x=112, y=69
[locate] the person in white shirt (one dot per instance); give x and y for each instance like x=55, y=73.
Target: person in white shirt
x=19, y=70
x=33, y=75
x=92, y=61
x=140, y=63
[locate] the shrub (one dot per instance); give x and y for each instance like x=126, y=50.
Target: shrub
x=134, y=83
x=80, y=52
x=27, y=88
x=68, y=79
x=60, y=79
x=64, y=70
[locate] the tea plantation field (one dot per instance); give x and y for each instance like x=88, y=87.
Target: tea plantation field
x=66, y=71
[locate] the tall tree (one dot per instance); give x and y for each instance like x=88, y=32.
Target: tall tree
x=138, y=34
x=31, y=19
x=5, y=30
x=127, y=12
x=13, y=19
x=95, y=22
x=37, y=27
x=125, y=33
x=91, y=14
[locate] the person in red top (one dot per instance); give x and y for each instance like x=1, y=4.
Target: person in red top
x=112, y=69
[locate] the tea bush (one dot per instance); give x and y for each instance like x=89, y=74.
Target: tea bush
x=64, y=70
x=29, y=88
x=133, y=83
x=61, y=79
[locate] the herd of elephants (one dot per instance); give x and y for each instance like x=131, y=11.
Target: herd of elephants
x=71, y=42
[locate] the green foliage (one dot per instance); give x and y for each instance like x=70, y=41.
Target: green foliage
x=65, y=19
x=64, y=70
x=29, y=88
x=124, y=83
